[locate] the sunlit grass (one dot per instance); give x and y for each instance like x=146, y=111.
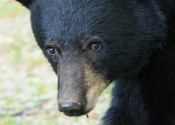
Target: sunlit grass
x=9, y=8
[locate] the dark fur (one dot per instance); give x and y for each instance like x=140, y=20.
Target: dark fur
x=138, y=50
x=25, y=2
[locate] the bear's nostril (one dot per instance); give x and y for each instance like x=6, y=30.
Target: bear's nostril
x=69, y=107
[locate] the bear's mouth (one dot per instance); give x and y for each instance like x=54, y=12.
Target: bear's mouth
x=72, y=113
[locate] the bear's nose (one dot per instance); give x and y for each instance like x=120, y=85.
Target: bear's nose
x=69, y=107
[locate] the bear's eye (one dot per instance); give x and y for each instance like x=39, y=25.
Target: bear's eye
x=95, y=45
x=51, y=50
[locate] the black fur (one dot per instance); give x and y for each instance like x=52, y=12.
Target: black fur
x=26, y=3
x=137, y=51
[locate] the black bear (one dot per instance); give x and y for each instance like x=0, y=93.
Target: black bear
x=91, y=43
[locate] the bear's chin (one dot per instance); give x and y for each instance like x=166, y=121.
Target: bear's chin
x=80, y=113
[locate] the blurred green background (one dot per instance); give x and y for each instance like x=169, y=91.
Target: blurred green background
x=28, y=86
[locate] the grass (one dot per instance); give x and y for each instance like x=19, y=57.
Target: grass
x=28, y=85
x=10, y=8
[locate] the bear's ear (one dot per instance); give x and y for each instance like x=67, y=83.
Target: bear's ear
x=26, y=3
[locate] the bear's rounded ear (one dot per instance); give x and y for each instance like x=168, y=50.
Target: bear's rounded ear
x=26, y=3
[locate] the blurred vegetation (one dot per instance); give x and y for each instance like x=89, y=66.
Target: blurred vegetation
x=28, y=85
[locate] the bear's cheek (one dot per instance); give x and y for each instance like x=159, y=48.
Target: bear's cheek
x=94, y=85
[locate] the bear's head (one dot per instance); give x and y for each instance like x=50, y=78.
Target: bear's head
x=91, y=43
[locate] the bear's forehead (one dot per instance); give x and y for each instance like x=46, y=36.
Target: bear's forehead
x=72, y=20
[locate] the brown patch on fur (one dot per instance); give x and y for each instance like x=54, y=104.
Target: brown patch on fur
x=95, y=84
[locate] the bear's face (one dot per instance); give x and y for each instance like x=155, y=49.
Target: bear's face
x=81, y=72
x=91, y=43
